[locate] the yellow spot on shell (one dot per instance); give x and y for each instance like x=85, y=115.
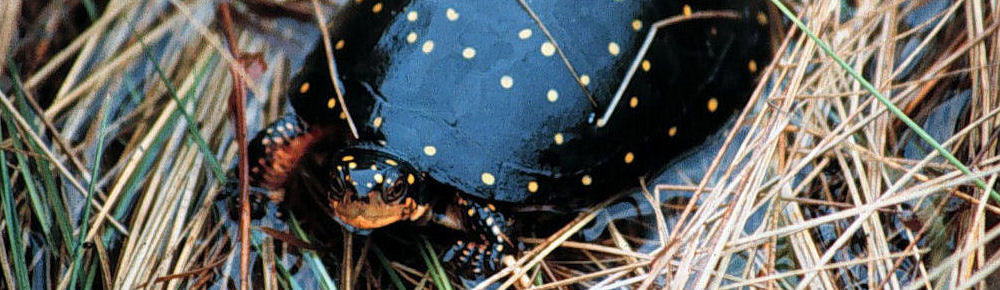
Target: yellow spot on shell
x=506, y=82
x=339, y=45
x=378, y=178
x=377, y=122
x=672, y=132
x=488, y=178
x=347, y=158
x=471, y=212
x=343, y=116
x=713, y=104
x=491, y=207
x=410, y=179
x=451, y=14
x=687, y=10
x=633, y=102
x=586, y=180
x=761, y=18
x=646, y=65
x=636, y=24
x=558, y=138
x=552, y=95
x=469, y=53
x=613, y=48
x=629, y=157
x=548, y=49
x=430, y=150
x=304, y=88
x=391, y=162
x=524, y=33
x=332, y=102
x=584, y=80
x=412, y=16
x=532, y=186
x=352, y=165
x=377, y=7
x=412, y=37
x=428, y=46
x=752, y=66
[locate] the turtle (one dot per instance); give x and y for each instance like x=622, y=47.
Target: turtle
x=451, y=111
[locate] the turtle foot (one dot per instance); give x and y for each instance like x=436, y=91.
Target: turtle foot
x=482, y=255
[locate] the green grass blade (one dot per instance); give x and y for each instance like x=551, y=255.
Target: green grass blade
x=94, y=177
x=396, y=281
x=192, y=124
x=13, y=225
x=37, y=202
x=885, y=101
x=316, y=264
x=433, y=264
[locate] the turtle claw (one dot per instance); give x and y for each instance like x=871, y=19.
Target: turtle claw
x=478, y=258
x=482, y=256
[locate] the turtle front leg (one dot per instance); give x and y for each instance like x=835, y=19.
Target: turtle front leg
x=273, y=153
x=490, y=244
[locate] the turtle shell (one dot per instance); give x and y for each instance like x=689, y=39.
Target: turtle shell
x=505, y=101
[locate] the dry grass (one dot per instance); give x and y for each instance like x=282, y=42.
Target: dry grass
x=822, y=188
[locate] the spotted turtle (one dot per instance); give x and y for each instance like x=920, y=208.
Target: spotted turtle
x=463, y=108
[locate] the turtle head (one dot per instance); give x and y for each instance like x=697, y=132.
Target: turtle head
x=370, y=189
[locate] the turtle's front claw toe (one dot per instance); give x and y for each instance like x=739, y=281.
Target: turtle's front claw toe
x=477, y=258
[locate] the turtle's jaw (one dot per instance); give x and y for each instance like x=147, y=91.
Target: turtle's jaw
x=373, y=213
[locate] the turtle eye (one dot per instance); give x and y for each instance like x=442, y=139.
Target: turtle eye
x=395, y=191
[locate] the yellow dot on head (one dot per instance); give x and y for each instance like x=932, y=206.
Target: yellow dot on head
x=377, y=7
x=352, y=165
x=548, y=49
x=488, y=178
x=636, y=24
x=471, y=212
x=613, y=48
x=412, y=37
x=347, y=158
x=586, y=180
x=332, y=102
x=377, y=122
x=304, y=88
x=558, y=138
x=532, y=186
x=752, y=66
x=412, y=16
x=506, y=82
x=552, y=95
x=672, y=132
x=633, y=102
x=646, y=65
x=428, y=46
x=378, y=178
x=430, y=150
x=761, y=18
x=584, y=80
x=469, y=53
x=391, y=162
x=410, y=178
x=629, y=157
x=713, y=104
x=687, y=10
x=339, y=45
x=343, y=116
x=524, y=33
x=451, y=14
